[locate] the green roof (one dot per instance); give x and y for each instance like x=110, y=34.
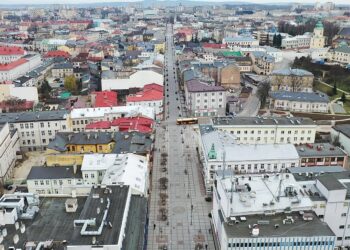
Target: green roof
x=65, y=95
x=231, y=53
x=319, y=25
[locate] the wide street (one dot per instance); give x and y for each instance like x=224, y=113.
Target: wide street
x=178, y=211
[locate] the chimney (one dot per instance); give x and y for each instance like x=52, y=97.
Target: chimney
x=75, y=168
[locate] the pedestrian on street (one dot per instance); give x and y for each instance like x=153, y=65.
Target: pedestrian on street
x=154, y=227
x=206, y=246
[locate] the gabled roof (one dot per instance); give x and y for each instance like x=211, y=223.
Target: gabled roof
x=13, y=50
x=105, y=99
x=12, y=65
x=150, y=92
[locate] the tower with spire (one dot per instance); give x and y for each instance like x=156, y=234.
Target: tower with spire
x=318, y=39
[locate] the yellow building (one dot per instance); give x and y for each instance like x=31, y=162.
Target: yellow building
x=159, y=47
x=66, y=49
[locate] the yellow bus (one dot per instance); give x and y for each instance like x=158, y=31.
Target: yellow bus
x=185, y=121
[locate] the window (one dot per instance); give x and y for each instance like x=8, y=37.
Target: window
x=69, y=182
x=61, y=182
x=262, y=166
x=86, y=176
x=42, y=132
x=63, y=127
x=41, y=124
x=92, y=176
x=339, y=238
x=47, y=182
x=36, y=183
x=100, y=147
x=44, y=140
x=26, y=125
x=343, y=215
x=42, y=182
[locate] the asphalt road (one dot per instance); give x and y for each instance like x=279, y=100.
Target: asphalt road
x=186, y=222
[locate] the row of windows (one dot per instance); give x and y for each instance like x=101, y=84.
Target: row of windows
x=42, y=125
x=206, y=94
x=205, y=100
x=47, y=182
x=278, y=244
x=288, y=139
x=29, y=142
x=259, y=132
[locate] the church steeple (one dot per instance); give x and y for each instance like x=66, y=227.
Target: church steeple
x=212, y=152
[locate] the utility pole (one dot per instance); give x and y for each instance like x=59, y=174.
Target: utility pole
x=191, y=212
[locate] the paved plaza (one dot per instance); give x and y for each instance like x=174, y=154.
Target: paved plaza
x=178, y=210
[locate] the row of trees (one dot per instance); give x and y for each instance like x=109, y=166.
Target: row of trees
x=277, y=40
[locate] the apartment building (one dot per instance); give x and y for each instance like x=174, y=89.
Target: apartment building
x=36, y=129
x=9, y=146
x=293, y=80
x=79, y=118
x=10, y=54
x=62, y=70
x=20, y=67
x=321, y=154
x=240, y=41
x=204, y=100
x=268, y=130
x=150, y=96
x=341, y=54
x=296, y=42
x=263, y=63
x=308, y=102
x=219, y=151
x=267, y=212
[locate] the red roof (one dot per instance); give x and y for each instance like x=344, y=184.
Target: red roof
x=13, y=50
x=214, y=46
x=12, y=65
x=150, y=92
x=99, y=125
x=105, y=99
x=57, y=53
x=140, y=124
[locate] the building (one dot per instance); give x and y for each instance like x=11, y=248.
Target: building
x=10, y=54
x=13, y=91
x=263, y=63
x=308, y=102
x=111, y=217
x=116, y=169
x=112, y=81
x=341, y=54
x=204, y=100
x=321, y=154
x=341, y=135
x=11, y=71
x=68, y=149
x=62, y=70
x=294, y=80
x=220, y=151
x=79, y=118
x=266, y=212
x=296, y=42
x=318, y=40
x=61, y=181
x=328, y=189
x=9, y=147
x=36, y=129
x=150, y=96
x=240, y=41
x=268, y=130
x=104, y=99
x=127, y=124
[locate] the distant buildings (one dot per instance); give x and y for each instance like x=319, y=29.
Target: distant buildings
x=240, y=41
x=293, y=80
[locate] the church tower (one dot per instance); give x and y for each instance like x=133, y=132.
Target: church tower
x=317, y=39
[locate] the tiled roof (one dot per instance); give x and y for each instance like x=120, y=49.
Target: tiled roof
x=197, y=86
x=288, y=72
x=57, y=53
x=12, y=65
x=5, y=51
x=300, y=96
x=150, y=92
x=105, y=99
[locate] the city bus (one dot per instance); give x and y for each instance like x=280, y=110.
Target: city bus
x=185, y=121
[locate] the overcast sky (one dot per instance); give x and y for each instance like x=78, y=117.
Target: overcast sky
x=94, y=1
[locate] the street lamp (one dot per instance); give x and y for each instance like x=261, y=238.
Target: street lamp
x=191, y=212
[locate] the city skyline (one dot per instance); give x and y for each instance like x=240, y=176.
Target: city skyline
x=25, y=2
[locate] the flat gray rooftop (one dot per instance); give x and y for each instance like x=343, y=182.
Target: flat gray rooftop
x=262, y=121
x=299, y=228
x=33, y=116
x=319, y=149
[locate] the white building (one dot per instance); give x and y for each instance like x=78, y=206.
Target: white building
x=9, y=54
x=9, y=146
x=29, y=93
x=138, y=79
x=277, y=54
x=220, y=151
x=19, y=67
x=266, y=212
x=268, y=130
x=341, y=133
x=300, y=101
x=204, y=100
x=79, y=118
x=113, y=169
x=150, y=96
x=240, y=42
x=297, y=42
x=36, y=129
x=57, y=182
